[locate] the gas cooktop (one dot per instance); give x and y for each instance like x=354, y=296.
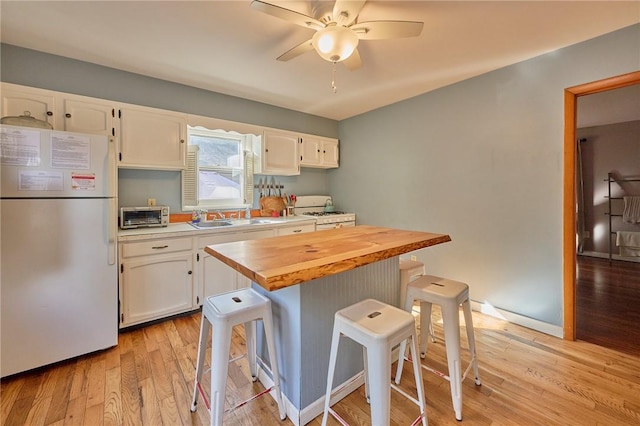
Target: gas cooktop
x=323, y=213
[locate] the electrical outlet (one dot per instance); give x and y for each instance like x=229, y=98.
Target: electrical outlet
x=414, y=258
x=151, y=202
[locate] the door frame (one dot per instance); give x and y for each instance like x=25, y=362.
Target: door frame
x=571, y=95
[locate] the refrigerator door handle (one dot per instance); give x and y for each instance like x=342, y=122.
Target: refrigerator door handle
x=112, y=230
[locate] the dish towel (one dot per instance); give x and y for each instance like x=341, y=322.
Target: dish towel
x=628, y=242
x=631, y=212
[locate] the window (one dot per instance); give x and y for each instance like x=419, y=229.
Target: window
x=219, y=170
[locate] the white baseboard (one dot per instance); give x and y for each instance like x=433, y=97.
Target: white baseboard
x=306, y=415
x=534, y=324
x=292, y=412
x=316, y=408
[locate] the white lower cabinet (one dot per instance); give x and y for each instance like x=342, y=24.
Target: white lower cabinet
x=156, y=279
x=214, y=276
x=160, y=277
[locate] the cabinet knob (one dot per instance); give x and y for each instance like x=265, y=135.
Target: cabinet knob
x=190, y=272
x=181, y=140
x=67, y=115
x=49, y=113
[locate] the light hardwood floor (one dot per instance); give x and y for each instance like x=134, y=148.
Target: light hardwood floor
x=528, y=378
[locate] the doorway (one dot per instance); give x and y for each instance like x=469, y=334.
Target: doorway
x=569, y=212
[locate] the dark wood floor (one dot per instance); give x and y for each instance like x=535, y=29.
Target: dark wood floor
x=608, y=303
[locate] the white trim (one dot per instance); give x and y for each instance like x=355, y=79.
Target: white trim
x=534, y=324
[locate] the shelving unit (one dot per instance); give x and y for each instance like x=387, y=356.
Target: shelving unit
x=611, y=179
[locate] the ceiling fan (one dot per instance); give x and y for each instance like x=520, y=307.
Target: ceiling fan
x=337, y=31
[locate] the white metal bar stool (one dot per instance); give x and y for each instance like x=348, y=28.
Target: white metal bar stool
x=409, y=271
x=449, y=294
x=224, y=311
x=378, y=327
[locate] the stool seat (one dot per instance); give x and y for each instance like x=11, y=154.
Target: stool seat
x=378, y=327
x=439, y=290
x=449, y=294
x=224, y=311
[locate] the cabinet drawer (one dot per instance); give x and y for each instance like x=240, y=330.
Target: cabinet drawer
x=144, y=248
x=296, y=229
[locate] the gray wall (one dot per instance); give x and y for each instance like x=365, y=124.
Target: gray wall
x=612, y=148
x=37, y=69
x=481, y=160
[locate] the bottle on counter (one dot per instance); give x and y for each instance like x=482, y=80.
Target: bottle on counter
x=247, y=212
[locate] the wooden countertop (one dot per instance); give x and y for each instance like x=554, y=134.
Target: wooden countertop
x=287, y=260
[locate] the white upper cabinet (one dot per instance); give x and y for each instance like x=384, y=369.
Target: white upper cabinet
x=89, y=116
x=152, y=139
x=155, y=139
x=318, y=152
x=20, y=100
x=279, y=153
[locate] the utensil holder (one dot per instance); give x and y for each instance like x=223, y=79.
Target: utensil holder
x=270, y=204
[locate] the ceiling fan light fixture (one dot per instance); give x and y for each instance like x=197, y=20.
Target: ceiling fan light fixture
x=335, y=43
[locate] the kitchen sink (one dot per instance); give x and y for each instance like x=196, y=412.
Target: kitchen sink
x=252, y=221
x=212, y=224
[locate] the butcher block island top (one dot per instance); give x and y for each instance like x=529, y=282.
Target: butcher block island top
x=280, y=262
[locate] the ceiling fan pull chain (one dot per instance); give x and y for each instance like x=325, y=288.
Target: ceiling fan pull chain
x=333, y=79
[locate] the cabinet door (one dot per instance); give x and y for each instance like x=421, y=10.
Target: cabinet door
x=88, y=117
x=217, y=277
x=311, y=151
x=330, y=153
x=152, y=139
x=280, y=153
x=39, y=104
x=154, y=287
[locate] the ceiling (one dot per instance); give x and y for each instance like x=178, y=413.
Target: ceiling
x=230, y=48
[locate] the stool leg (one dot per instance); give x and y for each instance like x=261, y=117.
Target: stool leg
x=273, y=360
x=366, y=374
x=425, y=326
x=379, y=361
x=250, y=339
x=468, y=322
x=220, y=347
x=401, y=354
x=402, y=351
x=205, y=326
x=417, y=372
x=335, y=341
x=431, y=333
x=450, y=316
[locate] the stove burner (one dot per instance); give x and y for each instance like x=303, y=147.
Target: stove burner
x=323, y=213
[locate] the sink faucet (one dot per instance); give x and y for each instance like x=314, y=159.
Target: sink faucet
x=222, y=216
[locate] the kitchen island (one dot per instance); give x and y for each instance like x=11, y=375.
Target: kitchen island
x=308, y=277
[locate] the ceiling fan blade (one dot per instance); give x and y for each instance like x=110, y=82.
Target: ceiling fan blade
x=296, y=51
x=287, y=15
x=346, y=11
x=353, y=62
x=378, y=30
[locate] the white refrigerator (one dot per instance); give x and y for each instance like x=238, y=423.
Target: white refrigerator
x=58, y=276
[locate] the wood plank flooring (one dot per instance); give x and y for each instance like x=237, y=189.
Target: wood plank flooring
x=608, y=303
x=529, y=378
